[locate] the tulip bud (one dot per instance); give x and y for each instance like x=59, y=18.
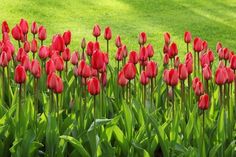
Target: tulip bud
x=51, y=80
x=3, y=59
x=167, y=38
x=233, y=62
x=173, y=77
x=25, y=62
x=83, y=43
x=183, y=72
x=119, y=54
x=50, y=67
x=199, y=90
x=142, y=39
x=187, y=37
x=66, y=54
x=5, y=28
x=150, y=50
x=166, y=59
x=203, y=102
x=74, y=58
x=205, y=60
x=35, y=68
x=144, y=78
x=133, y=57
x=58, y=43
x=221, y=76
x=26, y=46
x=107, y=33
x=67, y=37
x=122, y=81
x=176, y=62
x=173, y=50
x=143, y=55
x=20, y=75
x=231, y=76
x=20, y=54
x=24, y=26
x=118, y=41
x=96, y=31
x=129, y=71
x=151, y=69
x=58, y=85
x=93, y=86
x=197, y=44
x=89, y=49
x=97, y=60
x=194, y=82
x=165, y=49
x=42, y=33
x=59, y=63
x=17, y=33
x=206, y=71
x=204, y=45
x=34, y=28
x=210, y=56
x=34, y=46
x=104, y=79
x=86, y=71
x=43, y=52
x=218, y=46
x=81, y=67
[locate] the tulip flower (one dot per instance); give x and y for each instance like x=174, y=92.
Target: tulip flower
x=142, y=39
x=35, y=69
x=89, y=50
x=24, y=27
x=173, y=50
x=124, y=53
x=97, y=60
x=66, y=57
x=42, y=34
x=25, y=62
x=5, y=28
x=43, y=52
x=58, y=43
x=133, y=57
x=207, y=75
x=17, y=34
x=165, y=49
x=144, y=81
x=20, y=54
x=3, y=64
x=150, y=51
x=204, y=46
x=34, y=29
x=167, y=38
x=143, y=56
x=34, y=47
x=199, y=90
x=118, y=42
x=183, y=75
x=27, y=46
x=107, y=36
x=74, y=58
x=129, y=71
x=122, y=80
x=96, y=31
x=165, y=60
x=86, y=73
x=58, y=85
x=197, y=47
x=67, y=37
x=59, y=64
x=50, y=67
x=187, y=39
x=176, y=62
x=218, y=46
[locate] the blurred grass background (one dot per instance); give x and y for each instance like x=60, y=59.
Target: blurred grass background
x=211, y=20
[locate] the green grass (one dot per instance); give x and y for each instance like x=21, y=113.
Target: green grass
x=213, y=21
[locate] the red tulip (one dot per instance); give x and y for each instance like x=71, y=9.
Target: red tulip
x=42, y=33
x=183, y=72
x=221, y=53
x=233, y=62
x=105, y=58
x=58, y=85
x=176, y=62
x=66, y=54
x=5, y=27
x=150, y=50
x=189, y=65
x=75, y=71
x=43, y=52
x=151, y=69
x=74, y=58
x=51, y=80
x=107, y=33
x=129, y=71
x=199, y=90
x=165, y=49
x=122, y=81
x=67, y=37
x=96, y=31
x=226, y=53
x=50, y=67
x=5, y=37
x=206, y=72
x=133, y=57
x=188, y=56
x=166, y=76
x=203, y=102
x=144, y=78
x=173, y=50
x=89, y=50
x=104, y=79
x=231, y=76
x=26, y=46
x=231, y=54
x=118, y=41
x=34, y=28
x=3, y=59
x=96, y=46
x=143, y=55
x=86, y=71
x=20, y=54
x=83, y=43
x=119, y=54
x=197, y=44
x=124, y=51
x=94, y=72
x=205, y=60
x=35, y=68
x=97, y=60
x=221, y=76
x=194, y=82
x=24, y=26
x=17, y=33
x=81, y=67
x=34, y=46
x=59, y=63
x=25, y=62
x=93, y=86
x=20, y=75
x=142, y=39
x=204, y=45
x=187, y=37
x=210, y=56
x=166, y=59
x=218, y=46
x=167, y=38
x=173, y=77
x=58, y=43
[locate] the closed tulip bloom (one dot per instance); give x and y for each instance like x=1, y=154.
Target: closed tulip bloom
x=74, y=58
x=233, y=62
x=67, y=37
x=96, y=46
x=42, y=33
x=167, y=38
x=205, y=60
x=218, y=46
x=221, y=53
x=81, y=67
x=89, y=49
x=107, y=33
x=118, y=42
x=50, y=67
x=231, y=54
x=5, y=28
x=199, y=90
x=203, y=102
x=133, y=57
x=83, y=43
x=122, y=80
x=183, y=72
x=103, y=69
x=189, y=65
x=150, y=50
x=187, y=37
x=20, y=54
x=151, y=69
x=35, y=68
x=144, y=78
x=129, y=71
x=97, y=60
x=3, y=59
x=66, y=54
x=104, y=79
x=188, y=56
x=173, y=77
x=34, y=46
x=58, y=85
x=231, y=75
x=176, y=62
x=94, y=72
x=226, y=53
x=5, y=37
x=210, y=56
x=142, y=39
x=166, y=76
x=17, y=32
x=26, y=46
x=59, y=63
x=194, y=82
x=166, y=59
x=197, y=44
x=51, y=80
x=93, y=86
x=58, y=43
x=20, y=74
x=43, y=52
x=204, y=45
x=143, y=55
x=25, y=62
x=96, y=31
x=221, y=76
x=165, y=49
x=105, y=58
x=173, y=50
x=206, y=71
x=86, y=71
x=24, y=26
x=34, y=28
x=75, y=71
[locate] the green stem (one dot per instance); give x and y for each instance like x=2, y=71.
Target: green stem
x=203, y=123
x=41, y=42
x=173, y=101
x=94, y=116
x=151, y=93
x=194, y=67
x=3, y=97
x=107, y=46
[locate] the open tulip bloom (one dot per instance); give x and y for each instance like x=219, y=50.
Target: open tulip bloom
x=54, y=94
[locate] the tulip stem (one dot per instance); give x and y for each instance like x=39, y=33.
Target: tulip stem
x=235, y=90
x=19, y=43
x=183, y=97
x=187, y=48
x=3, y=69
x=173, y=101
x=20, y=107
x=58, y=110
x=36, y=101
x=151, y=93
x=198, y=63
x=107, y=46
x=203, y=121
x=94, y=116
x=66, y=67
x=9, y=83
x=194, y=70
x=41, y=42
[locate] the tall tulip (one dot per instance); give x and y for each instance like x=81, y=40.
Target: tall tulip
x=34, y=29
x=96, y=31
x=42, y=34
x=108, y=36
x=142, y=38
x=187, y=39
x=67, y=37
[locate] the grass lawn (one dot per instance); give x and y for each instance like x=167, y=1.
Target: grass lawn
x=213, y=21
